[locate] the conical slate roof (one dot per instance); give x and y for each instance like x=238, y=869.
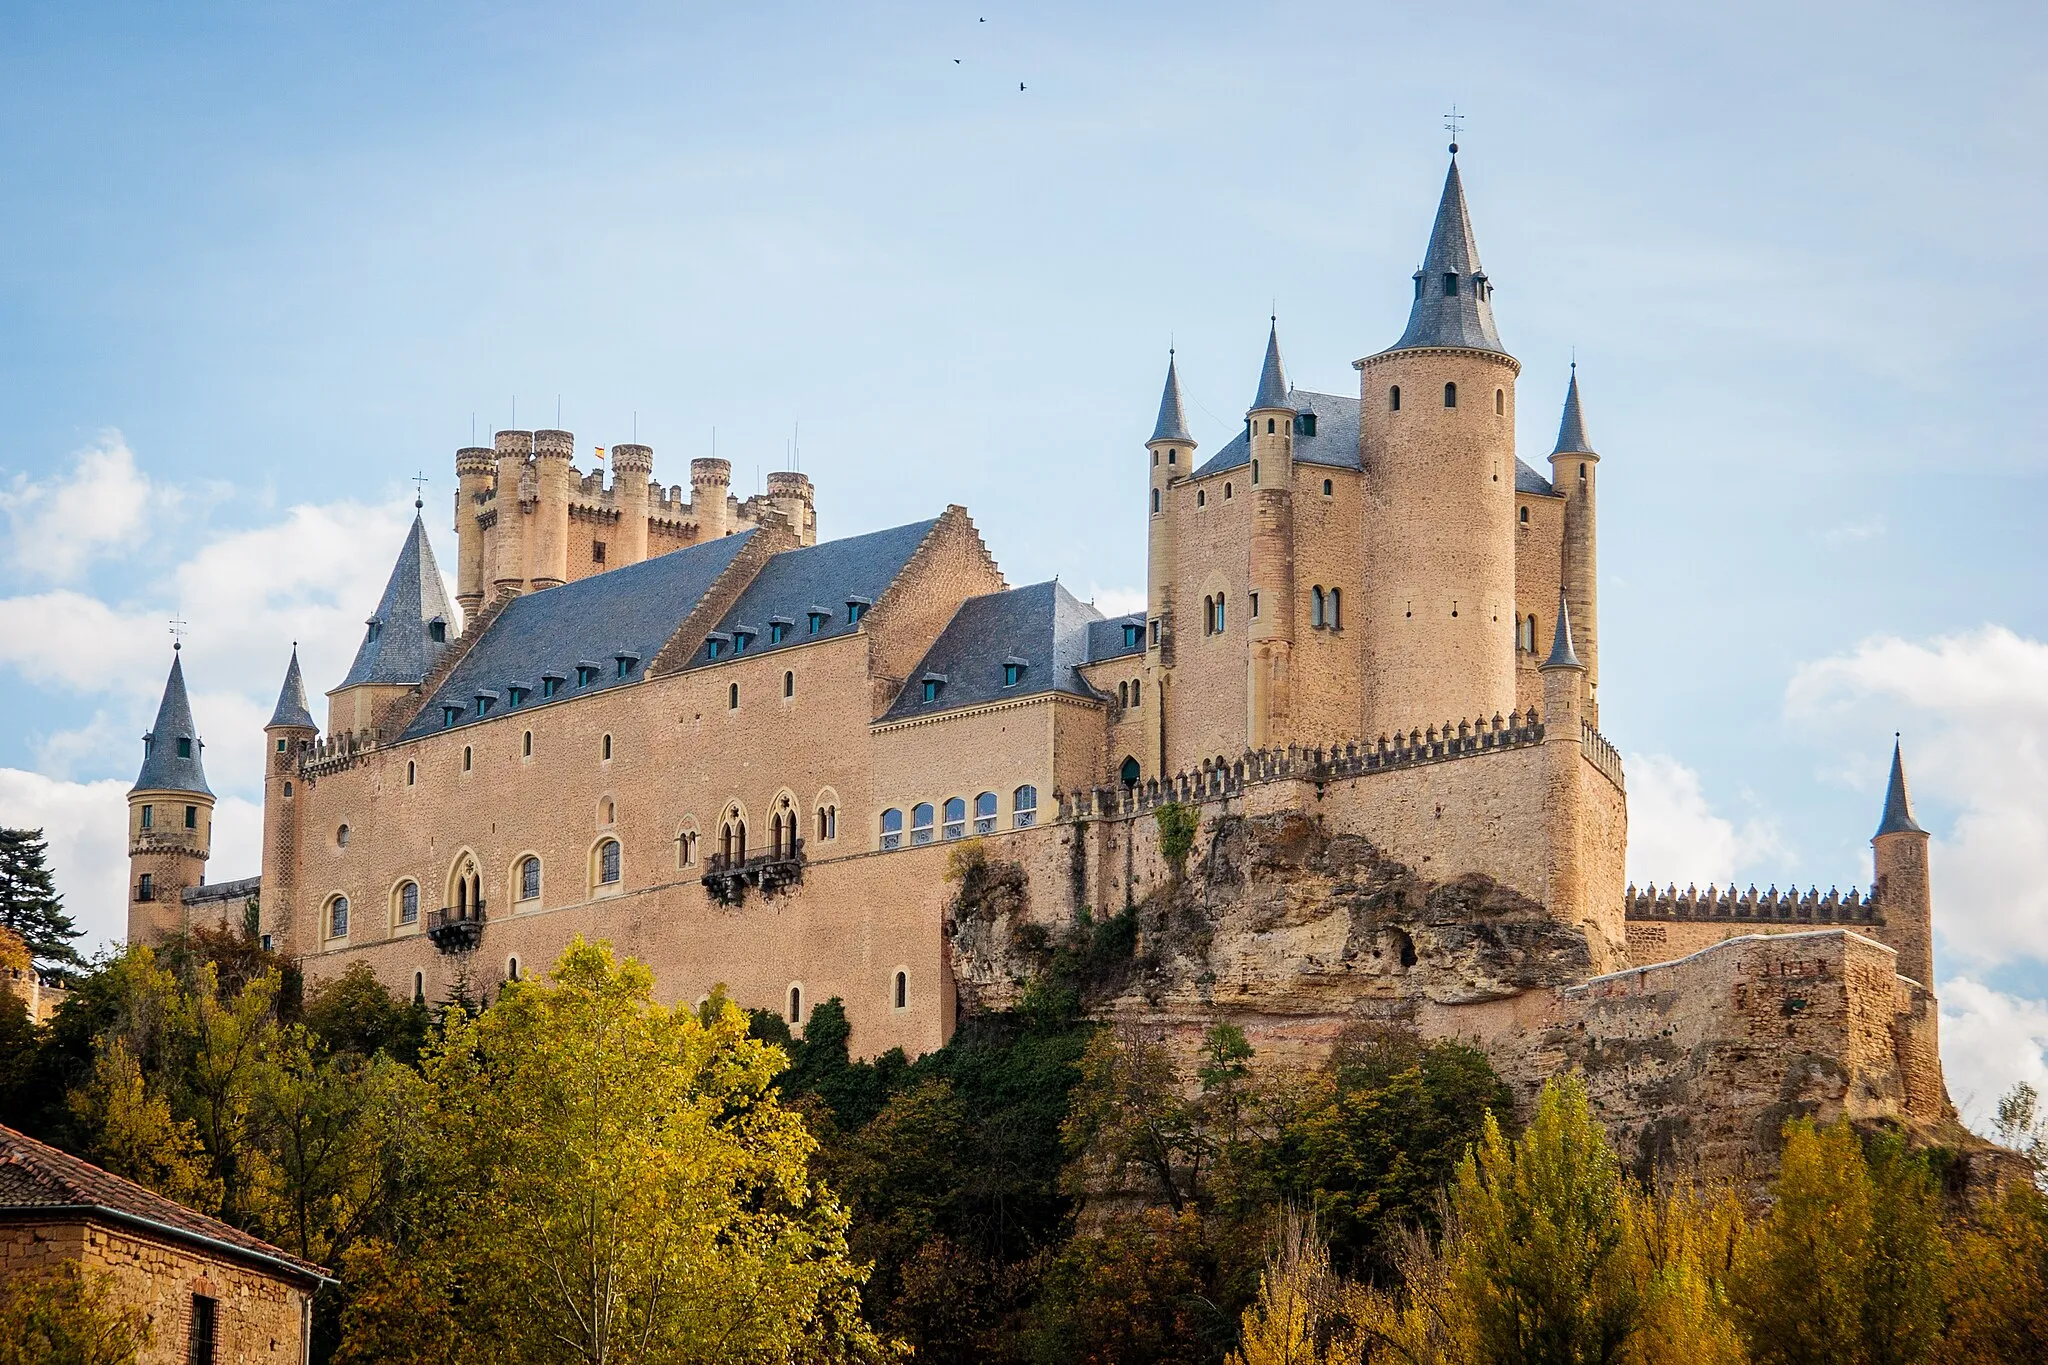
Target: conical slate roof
x=1173, y=418
x=1447, y=311
x=1898, y=812
x=1571, y=432
x=398, y=646
x=1562, y=655
x=1272, y=378
x=291, y=700
x=170, y=751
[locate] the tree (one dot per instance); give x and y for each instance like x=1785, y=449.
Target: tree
x=1303, y=1312
x=66, y=1319
x=1999, y=1311
x=1128, y=1115
x=354, y=1013
x=130, y=1130
x=2023, y=1127
x=29, y=904
x=608, y=1181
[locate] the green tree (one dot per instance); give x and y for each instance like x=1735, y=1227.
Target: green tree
x=1129, y=1117
x=354, y=1013
x=129, y=1129
x=1999, y=1309
x=29, y=904
x=66, y=1319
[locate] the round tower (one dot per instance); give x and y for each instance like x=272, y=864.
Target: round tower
x=474, y=466
x=1437, y=438
x=547, y=553
x=506, y=570
x=1574, y=472
x=710, y=486
x=1172, y=453
x=1904, y=892
x=632, y=467
x=286, y=739
x=791, y=493
x=170, y=817
x=1269, y=690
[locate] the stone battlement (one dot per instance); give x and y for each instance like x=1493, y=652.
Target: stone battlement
x=1773, y=905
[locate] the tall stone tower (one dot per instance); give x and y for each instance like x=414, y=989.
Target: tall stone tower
x=1903, y=891
x=291, y=731
x=1269, y=686
x=1574, y=473
x=1437, y=438
x=170, y=817
x=1172, y=452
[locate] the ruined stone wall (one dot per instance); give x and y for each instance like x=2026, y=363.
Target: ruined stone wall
x=259, y=1318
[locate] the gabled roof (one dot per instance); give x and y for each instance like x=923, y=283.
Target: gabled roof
x=38, y=1181
x=826, y=576
x=291, y=700
x=1173, y=418
x=1273, y=387
x=163, y=768
x=1042, y=625
x=1571, y=430
x=1335, y=442
x=398, y=648
x=1898, y=811
x=1440, y=317
x=1106, y=638
x=631, y=610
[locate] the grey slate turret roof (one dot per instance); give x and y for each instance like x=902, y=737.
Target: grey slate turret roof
x=398, y=646
x=164, y=768
x=1571, y=431
x=1898, y=812
x=1562, y=655
x=1173, y=418
x=291, y=700
x=1439, y=316
x=1042, y=627
x=1272, y=377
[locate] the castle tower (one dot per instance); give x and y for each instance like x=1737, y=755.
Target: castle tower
x=1564, y=806
x=290, y=732
x=1437, y=437
x=403, y=639
x=547, y=551
x=506, y=569
x=170, y=817
x=1903, y=893
x=710, y=487
x=1574, y=472
x=792, y=495
x=473, y=473
x=1269, y=690
x=632, y=467
x=1172, y=452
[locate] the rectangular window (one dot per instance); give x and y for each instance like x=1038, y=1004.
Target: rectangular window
x=449, y=715
x=1255, y=606
x=1010, y=675
x=184, y=748
x=514, y=695
x=280, y=746
x=202, y=1345
x=776, y=630
x=625, y=667
x=597, y=552
x=191, y=817
x=853, y=612
x=145, y=890
x=739, y=641
x=149, y=817
x=931, y=690
x=1155, y=633
x=549, y=686
x=817, y=622
x=1450, y=285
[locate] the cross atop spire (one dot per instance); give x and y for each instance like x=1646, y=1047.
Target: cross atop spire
x=1452, y=121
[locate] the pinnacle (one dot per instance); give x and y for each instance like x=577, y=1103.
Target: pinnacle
x=1173, y=419
x=1898, y=811
x=1272, y=377
x=1562, y=655
x=1571, y=430
x=1453, y=298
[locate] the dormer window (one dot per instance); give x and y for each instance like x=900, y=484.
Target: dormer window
x=819, y=616
x=586, y=674
x=550, y=683
x=1011, y=674
x=437, y=631
x=376, y=629
x=742, y=636
x=1304, y=424
x=625, y=664
x=449, y=715
x=714, y=646
x=1450, y=285
x=934, y=683
x=778, y=631
x=184, y=748
x=484, y=702
x=1418, y=284
x=856, y=607
x=516, y=695
x=1134, y=634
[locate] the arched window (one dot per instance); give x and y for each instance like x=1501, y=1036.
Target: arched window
x=607, y=748
x=412, y=772
x=782, y=828
x=1255, y=463
x=686, y=848
x=1201, y=497
x=607, y=813
x=465, y=758
x=921, y=823
x=985, y=813
x=788, y=684
x=1500, y=403
x=419, y=988
x=1269, y=432
x=337, y=917
x=1226, y=491
x=1130, y=772
x=732, y=839
x=1137, y=691
x=1024, y=807
x=511, y=969
x=1208, y=616
x=1220, y=620
x=1394, y=399
x=1525, y=516
x=1315, y=607
x=526, y=745
x=341, y=837
x=1123, y=694
x=1327, y=487
x=1155, y=500
x=732, y=697
x=956, y=817
x=1450, y=395
x=901, y=995
x=529, y=879
x=892, y=828
x=1333, y=609
x=608, y=863
x=408, y=903
x=796, y=1004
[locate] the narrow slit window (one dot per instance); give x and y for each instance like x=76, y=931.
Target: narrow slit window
x=1450, y=395
x=902, y=989
x=1394, y=399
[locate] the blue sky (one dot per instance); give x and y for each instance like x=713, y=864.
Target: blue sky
x=262, y=262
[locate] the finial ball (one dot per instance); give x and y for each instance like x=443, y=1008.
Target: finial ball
x=1454, y=149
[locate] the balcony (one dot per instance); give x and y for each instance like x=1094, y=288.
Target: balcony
x=456, y=930
x=727, y=879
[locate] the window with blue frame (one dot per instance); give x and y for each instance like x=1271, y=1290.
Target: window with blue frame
x=776, y=632
x=1133, y=633
x=818, y=619
x=449, y=715
x=740, y=639
x=931, y=689
x=713, y=648
x=515, y=695
x=625, y=665
x=586, y=674
x=854, y=611
x=1011, y=674
x=483, y=706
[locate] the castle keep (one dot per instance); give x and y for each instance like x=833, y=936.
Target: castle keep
x=749, y=757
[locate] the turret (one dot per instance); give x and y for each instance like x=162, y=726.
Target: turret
x=506, y=570
x=289, y=734
x=474, y=470
x=1437, y=424
x=170, y=817
x=1564, y=801
x=1172, y=453
x=1574, y=470
x=1269, y=692
x=791, y=493
x=1903, y=893
x=403, y=639
x=710, y=487
x=547, y=551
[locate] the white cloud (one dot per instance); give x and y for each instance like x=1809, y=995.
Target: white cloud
x=1674, y=835
x=101, y=507
x=1989, y=1041
x=1975, y=711
x=86, y=824
x=1116, y=601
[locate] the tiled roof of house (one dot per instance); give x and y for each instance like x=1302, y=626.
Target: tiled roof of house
x=398, y=647
x=37, y=1180
x=164, y=769
x=1042, y=629
x=1528, y=480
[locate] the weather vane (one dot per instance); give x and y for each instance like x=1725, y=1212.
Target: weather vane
x=179, y=625
x=1451, y=122
x=419, y=483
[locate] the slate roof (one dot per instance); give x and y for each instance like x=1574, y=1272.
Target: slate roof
x=397, y=647
x=1571, y=430
x=1106, y=638
x=1562, y=655
x=1438, y=318
x=162, y=768
x=1173, y=418
x=630, y=610
x=37, y=1180
x=1335, y=442
x=1898, y=811
x=1528, y=480
x=291, y=700
x=1043, y=625
x=1273, y=387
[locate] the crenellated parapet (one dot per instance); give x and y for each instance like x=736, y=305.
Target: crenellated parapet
x=1773, y=905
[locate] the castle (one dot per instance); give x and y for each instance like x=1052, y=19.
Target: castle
x=747, y=756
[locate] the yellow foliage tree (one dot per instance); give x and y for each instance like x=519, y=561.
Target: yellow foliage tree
x=133, y=1133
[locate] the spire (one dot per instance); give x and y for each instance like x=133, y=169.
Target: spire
x=1898, y=812
x=1173, y=419
x=1562, y=655
x=291, y=709
x=1453, y=299
x=1571, y=432
x=170, y=751
x=413, y=622
x=1272, y=378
